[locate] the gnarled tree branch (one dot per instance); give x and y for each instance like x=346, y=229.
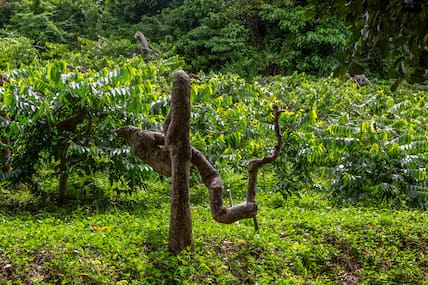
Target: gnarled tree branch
x=147, y=145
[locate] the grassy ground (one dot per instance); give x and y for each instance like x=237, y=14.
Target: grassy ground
x=301, y=241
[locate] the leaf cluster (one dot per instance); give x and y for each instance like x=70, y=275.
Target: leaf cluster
x=396, y=29
x=364, y=145
x=247, y=38
x=58, y=111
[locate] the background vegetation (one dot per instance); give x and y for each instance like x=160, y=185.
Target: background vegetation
x=344, y=204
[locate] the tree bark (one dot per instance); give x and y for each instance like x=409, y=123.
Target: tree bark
x=177, y=142
x=67, y=125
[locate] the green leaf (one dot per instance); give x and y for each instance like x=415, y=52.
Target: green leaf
x=55, y=70
x=7, y=97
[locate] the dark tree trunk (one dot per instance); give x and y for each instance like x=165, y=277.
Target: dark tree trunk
x=67, y=125
x=63, y=175
x=5, y=153
x=177, y=142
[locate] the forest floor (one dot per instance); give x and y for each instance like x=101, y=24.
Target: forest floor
x=302, y=240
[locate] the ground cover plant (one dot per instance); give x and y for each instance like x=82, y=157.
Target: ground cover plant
x=304, y=241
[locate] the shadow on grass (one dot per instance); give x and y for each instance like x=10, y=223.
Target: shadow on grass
x=24, y=203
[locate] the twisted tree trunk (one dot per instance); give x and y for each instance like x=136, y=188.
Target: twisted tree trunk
x=170, y=154
x=147, y=145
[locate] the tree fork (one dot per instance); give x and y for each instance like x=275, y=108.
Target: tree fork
x=147, y=146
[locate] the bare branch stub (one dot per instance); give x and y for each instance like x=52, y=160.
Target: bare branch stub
x=147, y=145
x=142, y=41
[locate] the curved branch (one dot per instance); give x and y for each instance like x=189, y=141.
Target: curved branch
x=256, y=164
x=147, y=146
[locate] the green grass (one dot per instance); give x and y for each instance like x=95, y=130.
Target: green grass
x=301, y=241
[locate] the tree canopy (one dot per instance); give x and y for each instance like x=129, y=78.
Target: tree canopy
x=394, y=28
x=251, y=38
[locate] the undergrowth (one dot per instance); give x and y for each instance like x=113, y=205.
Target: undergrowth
x=302, y=240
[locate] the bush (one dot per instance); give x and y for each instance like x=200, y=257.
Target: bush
x=16, y=51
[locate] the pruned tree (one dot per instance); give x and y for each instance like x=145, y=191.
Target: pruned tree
x=177, y=143
x=170, y=153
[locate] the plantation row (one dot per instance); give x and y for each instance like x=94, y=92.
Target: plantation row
x=364, y=145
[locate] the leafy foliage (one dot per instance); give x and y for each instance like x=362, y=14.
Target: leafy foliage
x=296, y=42
x=38, y=27
x=399, y=25
x=248, y=39
x=363, y=140
x=202, y=32
x=15, y=51
x=365, y=145
x=132, y=11
x=59, y=113
x=352, y=135
x=358, y=137
x=5, y=12
x=244, y=37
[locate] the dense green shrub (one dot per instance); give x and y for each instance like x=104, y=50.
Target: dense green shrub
x=202, y=33
x=131, y=11
x=363, y=145
x=244, y=37
x=249, y=39
x=64, y=117
x=295, y=42
x=39, y=27
x=6, y=11
x=396, y=30
x=16, y=51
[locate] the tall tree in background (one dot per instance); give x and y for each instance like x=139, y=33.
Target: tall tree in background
x=399, y=25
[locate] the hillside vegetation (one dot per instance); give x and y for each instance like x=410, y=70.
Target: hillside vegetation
x=334, y=208
x=344, y=203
